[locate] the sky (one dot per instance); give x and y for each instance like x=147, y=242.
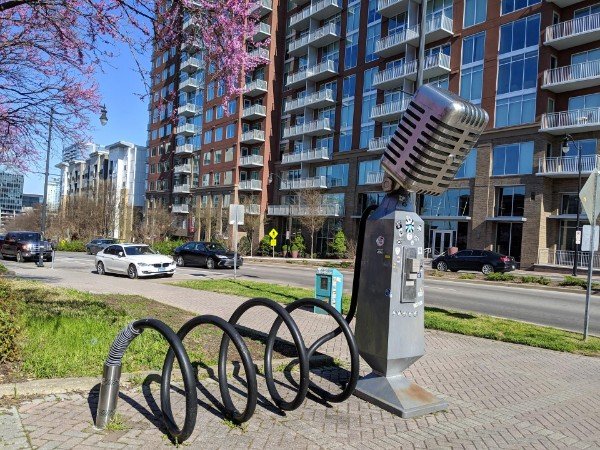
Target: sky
x=127, y=114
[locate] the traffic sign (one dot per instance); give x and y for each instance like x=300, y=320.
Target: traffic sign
x=578, y=237
x=273, y=242
x=589, y=199
x=236, y=214
x=586, y=241
x=273, y=233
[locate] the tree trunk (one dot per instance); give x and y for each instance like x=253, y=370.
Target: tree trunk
x=312, y=244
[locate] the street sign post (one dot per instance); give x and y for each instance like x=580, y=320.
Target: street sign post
x=590, y=200
x=578, y=237
x=236, y=217
x=273, y=233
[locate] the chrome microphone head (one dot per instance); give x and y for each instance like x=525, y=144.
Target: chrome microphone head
x=434, y=136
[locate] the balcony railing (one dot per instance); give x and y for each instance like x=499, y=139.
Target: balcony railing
x=251, y=161
x=329, y=210
x=390, y=110
x=567, y=165
x=318, y=72
x=260, y=53
x=325, y=8
x=296, y=79
x=317, y=99
x=181, y=189
x=181, y=209
x=392, y=77
x=393, y=43
x=191, y=84
x=299, y=20
x=187, y=129
x=566, y=258
x=374, y=178
x=185, y=148
x=256, y=87
x=575, y=76
x=577, y=120
x=378, y=143
x=250, y=185
x=573, y=32
x=262, y=7
x=254, y=112
x=304, y=183
x=189, y=109
x=253, y=136
x=262, y=31
x=190, y=65
x=438, y=27
x=318, y=38
x=313, y=128
x=252, y=209
x=183, y=168
x=315, y=154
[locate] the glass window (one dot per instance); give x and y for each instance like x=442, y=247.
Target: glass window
x=230, y=131
x=210, y=91
x=508, y=239
x=232, y=106
x=513, y=159
x=345, y=141
x=509, y=6
x=373, y=35
x=475, y=12
x=587, y=148
x=510, y=201
x=208, y=115
x=368, y=171
x=452, y=203
x=351, y=51
x=208, y=137
x=587, y=11
x=469, y=166
x=584, y=101
x=218, y=134
x=473, y=48
x=569, y=204
x=520, y=34
x=336, y=175
x=471, y=78
x=517, y=72
x=515, y=110
x=218, y=156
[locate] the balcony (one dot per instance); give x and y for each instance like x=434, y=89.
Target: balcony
x=439, y=27
x=255, y=88
x=189, y=110
x=328, y=210
x=391, y=78
x=184, y=149
x=190, y=65
x=574, y=121
x=318, y=38
x=323, y=70
x=262, y=31
x=304, y=183
x=388, y=111
x=181, y=209
x=378, y=143
x=254, y=112
x=181, y=189
x=435, y=66
x=296, y=79
x=571, y=33
x=261, y=54
x=251, y=161
x=182, y=168
x=299, y=46
x=253, y=137
x=391, y=8
x=325, y=9
x=300, y=21
x=252, y=209
x=189, y=85
x=374, y=178
x=315, y=154
x=187, y=129
x=262, y=7
x=567, y=166
x=250, y=185
x=395, y=43
x=314, y=128
x=576, y=76
x=319, y=99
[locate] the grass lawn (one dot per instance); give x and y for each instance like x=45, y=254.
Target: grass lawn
x=67, y=333
x=469, y=324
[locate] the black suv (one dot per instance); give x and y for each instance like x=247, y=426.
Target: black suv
x=207, y=254
x=24, y=245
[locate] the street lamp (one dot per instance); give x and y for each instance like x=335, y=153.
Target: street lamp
x=103, y=121
x=565, y=149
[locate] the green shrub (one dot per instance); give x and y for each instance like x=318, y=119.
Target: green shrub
x=570, y=280
x=500, y=276
x=9, y=328
x=298, y=244
x=3, y=269
x=167, y=247
x=437, y=273
x=264, y=247
x=533, y=279
x=70, y=246
x=467, y=276
x=244, y=246
x=338, y=247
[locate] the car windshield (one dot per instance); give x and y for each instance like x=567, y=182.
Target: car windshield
x=29, y=237
x=215, y=247
x=136, y=250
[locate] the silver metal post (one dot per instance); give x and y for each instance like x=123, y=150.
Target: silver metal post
x=235, y=229
x=45, y=204
x=109, y=394
x=588, y=291
x=423, y=31
x=577, y=246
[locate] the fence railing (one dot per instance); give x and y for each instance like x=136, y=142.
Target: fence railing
x=315, y=97
x=568, y=164
x=574, y=72
x=305, y=155
x=573, y=118
x=304, y=183
x=566, y=258
x=573, y=27
x=251, y=160
x=250, y=185
x=388, y=108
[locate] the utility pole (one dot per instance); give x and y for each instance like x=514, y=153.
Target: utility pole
x=40, y=262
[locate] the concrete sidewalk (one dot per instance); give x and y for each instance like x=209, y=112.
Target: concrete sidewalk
x=500, y=396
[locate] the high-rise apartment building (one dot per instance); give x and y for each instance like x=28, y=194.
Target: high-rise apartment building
x=11, y=194
x=340, y=75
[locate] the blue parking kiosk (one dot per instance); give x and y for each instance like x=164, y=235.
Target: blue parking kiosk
x=329, y=286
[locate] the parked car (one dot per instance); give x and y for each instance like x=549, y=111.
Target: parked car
x=25, y=245
x=481, y=260
x=205, y=254
x=95, y=245
x=133, y=260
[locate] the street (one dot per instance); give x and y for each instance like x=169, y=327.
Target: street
x=541, y=306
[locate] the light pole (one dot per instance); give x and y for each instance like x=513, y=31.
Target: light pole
x=565, y=149
x=103, y=121
x=421, y=56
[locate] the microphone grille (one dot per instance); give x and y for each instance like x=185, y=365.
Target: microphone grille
x=434, y=136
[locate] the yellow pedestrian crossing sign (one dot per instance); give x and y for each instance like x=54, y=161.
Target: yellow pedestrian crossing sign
x=273, y=233
x=273, y=242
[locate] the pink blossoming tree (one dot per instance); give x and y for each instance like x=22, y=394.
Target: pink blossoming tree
x=50, y=51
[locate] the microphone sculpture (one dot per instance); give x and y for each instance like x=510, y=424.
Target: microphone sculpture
x=434, y=136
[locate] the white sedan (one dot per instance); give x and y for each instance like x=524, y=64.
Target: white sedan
x=134, y=260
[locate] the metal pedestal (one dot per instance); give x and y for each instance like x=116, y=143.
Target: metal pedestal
x=398, y=395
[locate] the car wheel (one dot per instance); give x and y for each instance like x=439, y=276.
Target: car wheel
x=453, y=270
x=210, y=264
x=20, y=258
x=441, y=266
x=180, y=261
x=100, y=268
x=132, y=272
x=169, y=275
x=486, y=269
x=88, y=251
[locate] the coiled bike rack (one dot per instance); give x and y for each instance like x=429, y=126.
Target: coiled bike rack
x=109, y=387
